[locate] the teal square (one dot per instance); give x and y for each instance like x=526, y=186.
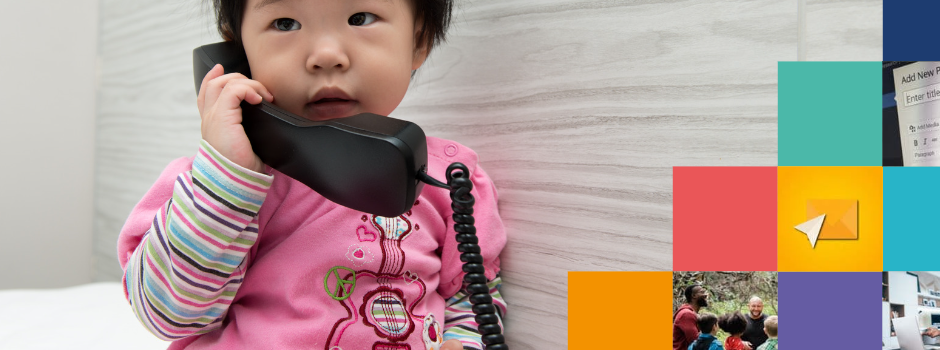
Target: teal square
x=910, y=218
x=829, y=113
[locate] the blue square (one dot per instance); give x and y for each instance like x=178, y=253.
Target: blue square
x=911, y=213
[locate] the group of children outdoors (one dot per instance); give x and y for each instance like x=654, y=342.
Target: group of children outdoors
x=734, y=324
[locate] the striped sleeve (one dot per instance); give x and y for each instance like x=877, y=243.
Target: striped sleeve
x=459, y=322
x=183, y=275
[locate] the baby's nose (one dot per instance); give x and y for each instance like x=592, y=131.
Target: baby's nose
x=328, y=54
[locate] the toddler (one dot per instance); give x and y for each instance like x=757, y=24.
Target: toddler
x=224, y=252
x=734, y=324
x=770, y=327
x=707, y=325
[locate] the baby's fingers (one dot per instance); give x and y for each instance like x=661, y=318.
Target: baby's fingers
x=256, y=86
x=214, y=88
x=232, y=95
x=225, y=112
x=213, y=73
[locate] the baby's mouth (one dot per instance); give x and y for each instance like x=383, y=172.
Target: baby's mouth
x=329, y=108
x=330, y=103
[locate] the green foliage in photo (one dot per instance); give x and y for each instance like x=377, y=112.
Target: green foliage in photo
x=728, y=291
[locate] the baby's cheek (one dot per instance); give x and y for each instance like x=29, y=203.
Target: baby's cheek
x=287, y=95
x=289, y=103
x=388, y=95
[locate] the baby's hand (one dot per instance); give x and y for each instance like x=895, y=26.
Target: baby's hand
x=219, y=99
x=452, y=344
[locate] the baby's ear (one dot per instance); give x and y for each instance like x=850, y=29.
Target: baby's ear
x=420, y=55
x=422, y=47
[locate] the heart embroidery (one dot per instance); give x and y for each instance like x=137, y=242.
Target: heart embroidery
x=410, y=277
x=359, y=255
x=365, y=236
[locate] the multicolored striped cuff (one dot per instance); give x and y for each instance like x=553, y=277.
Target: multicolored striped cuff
x=459, y=321
x=244, y=189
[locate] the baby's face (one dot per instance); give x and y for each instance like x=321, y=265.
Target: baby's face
x=325, y=59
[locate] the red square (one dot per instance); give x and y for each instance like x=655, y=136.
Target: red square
x=724, y=219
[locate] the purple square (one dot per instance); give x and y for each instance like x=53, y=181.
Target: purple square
x=830, y=310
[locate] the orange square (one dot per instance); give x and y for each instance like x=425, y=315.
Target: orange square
x=617, y=310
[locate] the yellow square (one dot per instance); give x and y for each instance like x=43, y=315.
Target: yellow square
x=839, y=247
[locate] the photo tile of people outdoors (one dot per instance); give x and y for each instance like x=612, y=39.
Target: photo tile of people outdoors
x=724, y=310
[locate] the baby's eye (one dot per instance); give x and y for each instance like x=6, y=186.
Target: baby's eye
x=361, y=19
x=286, y=24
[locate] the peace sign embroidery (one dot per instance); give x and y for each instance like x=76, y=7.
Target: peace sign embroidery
x=344, y=287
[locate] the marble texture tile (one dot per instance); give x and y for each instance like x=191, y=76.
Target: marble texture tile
x=843, y=30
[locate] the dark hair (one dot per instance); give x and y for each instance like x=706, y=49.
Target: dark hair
x=433, y=14
x=706, y=322
x=733, y=323
x=688, y=292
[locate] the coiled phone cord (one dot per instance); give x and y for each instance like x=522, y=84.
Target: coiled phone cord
x=459, y=184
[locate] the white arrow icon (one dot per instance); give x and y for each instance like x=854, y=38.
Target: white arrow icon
x=811, y=228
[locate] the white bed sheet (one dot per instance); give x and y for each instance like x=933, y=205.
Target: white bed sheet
x=90, y=316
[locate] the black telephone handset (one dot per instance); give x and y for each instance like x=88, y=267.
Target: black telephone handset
x=366, y=162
